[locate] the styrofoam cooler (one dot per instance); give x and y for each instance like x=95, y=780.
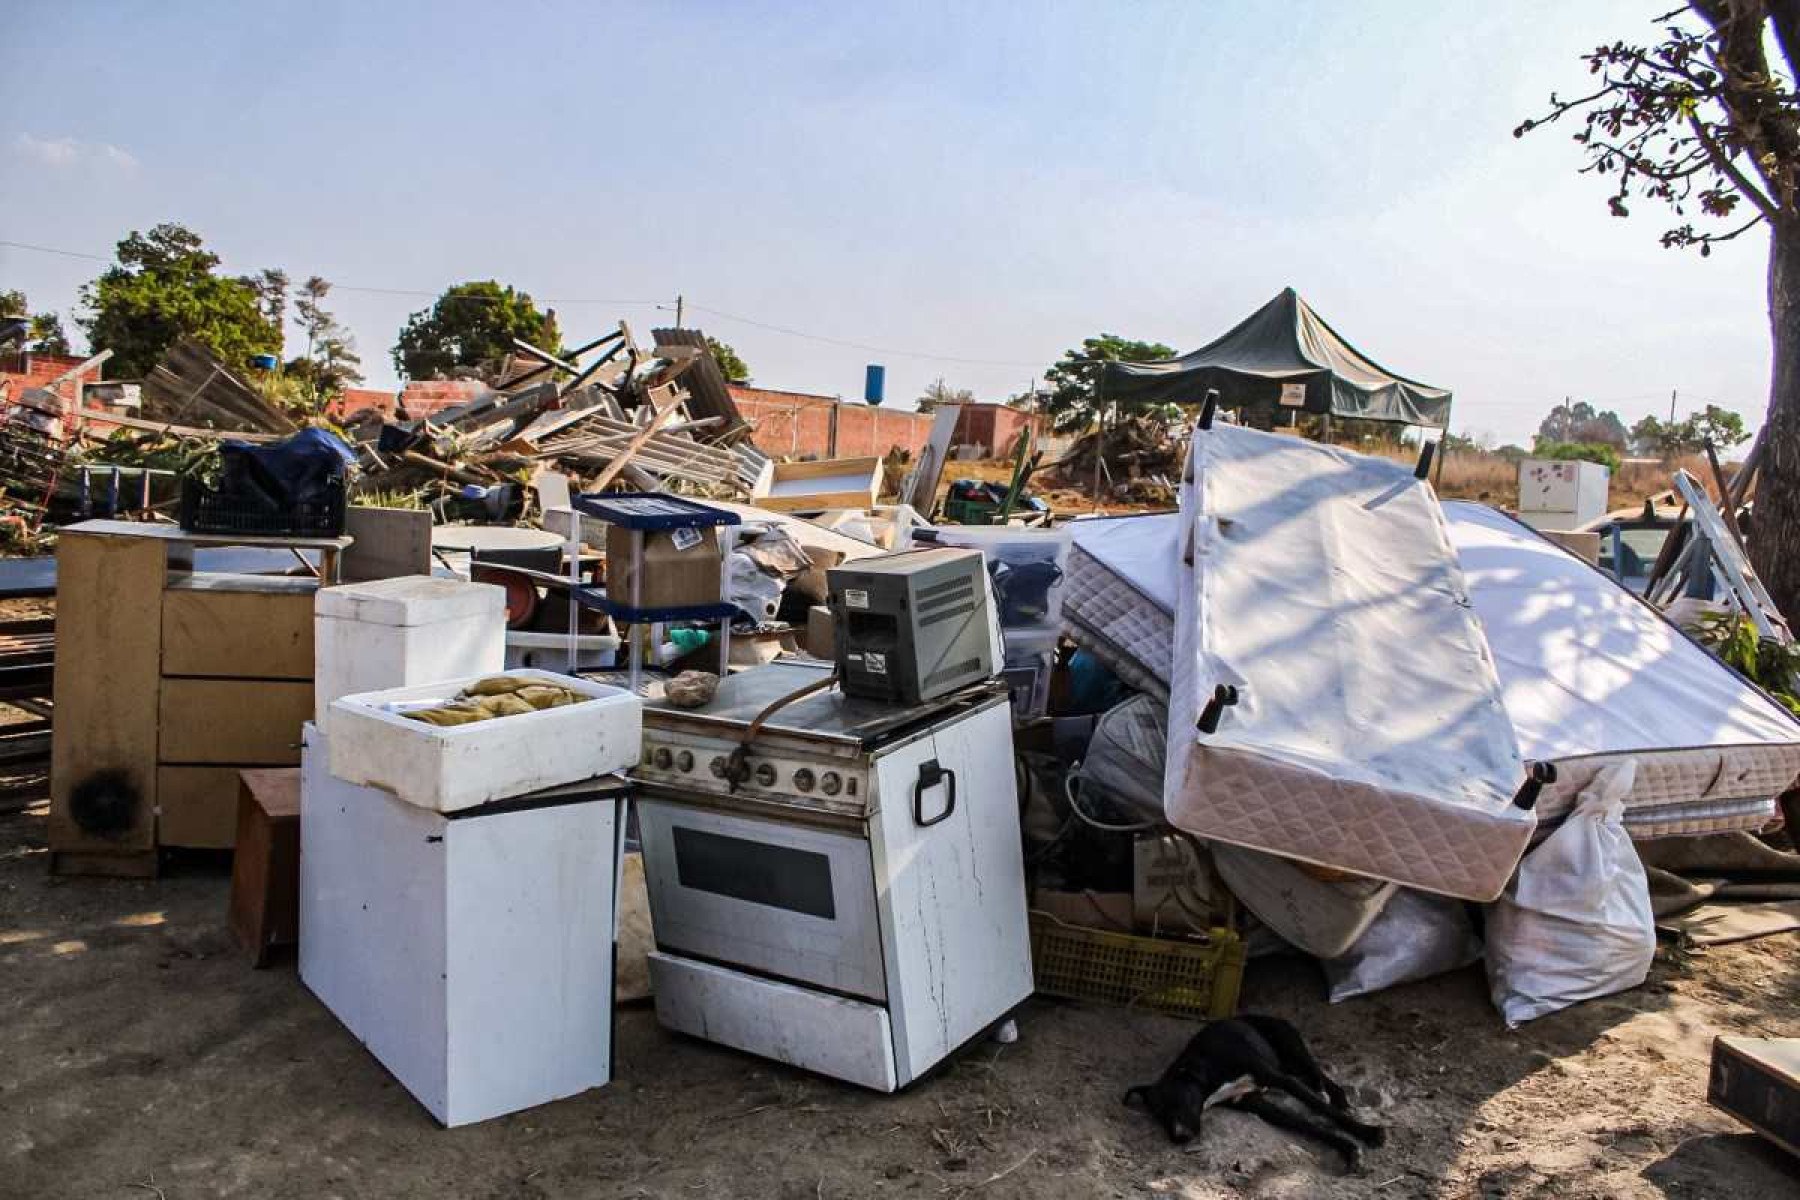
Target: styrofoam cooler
x=394, y=632
x=471, y=953
x=450, y=767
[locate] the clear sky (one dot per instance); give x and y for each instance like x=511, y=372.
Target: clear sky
x=970, y=188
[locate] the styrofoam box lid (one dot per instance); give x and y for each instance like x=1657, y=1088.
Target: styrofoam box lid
x=409, y=600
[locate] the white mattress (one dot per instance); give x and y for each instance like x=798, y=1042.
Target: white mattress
x=1370, y=735
x=1591, y=673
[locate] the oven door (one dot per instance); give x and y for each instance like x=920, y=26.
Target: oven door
x=789, y=900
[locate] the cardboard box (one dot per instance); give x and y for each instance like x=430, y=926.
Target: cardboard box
x=680, y=567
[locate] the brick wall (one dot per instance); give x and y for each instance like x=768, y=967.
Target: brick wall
x=423, y=397
x=31, y=369
x=993, y=427
x=355, y=400
x=797, y=424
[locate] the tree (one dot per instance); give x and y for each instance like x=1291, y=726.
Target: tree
x=44, y=334
x=939, y=392
x=472, y=325
x=1596, y=452
x=48, y=335
x=1672, y=439
x=1702, y=122
x=163, y=287
x=1581, y=422
x=731, y=366
x=271, y=288
x=1073, y=400
x=331, y=363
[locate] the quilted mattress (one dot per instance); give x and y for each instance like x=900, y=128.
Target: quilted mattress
x=1592, y=674
x=1682, y=789
x=1369, y=734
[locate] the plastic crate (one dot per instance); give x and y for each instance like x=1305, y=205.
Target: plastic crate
x=1197, y=977
x=204, y=510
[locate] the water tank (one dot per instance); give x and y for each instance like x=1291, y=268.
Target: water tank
x=265, y=362
x=874, y=382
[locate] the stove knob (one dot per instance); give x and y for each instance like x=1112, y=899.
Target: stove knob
x=765, y=775
x=803, y=780
x=685, y=761
x=831, y=784
x=662, y=758
x=717, y=766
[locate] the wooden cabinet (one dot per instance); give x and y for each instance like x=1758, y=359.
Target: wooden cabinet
x=168, y=682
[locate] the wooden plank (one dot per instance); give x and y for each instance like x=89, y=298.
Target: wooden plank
x=242, y=721
x=197, y=807
x=210, y=627
x=108, y=667
x=623, y=458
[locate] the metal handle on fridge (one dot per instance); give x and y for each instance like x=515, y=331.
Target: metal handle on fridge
x=930, y=775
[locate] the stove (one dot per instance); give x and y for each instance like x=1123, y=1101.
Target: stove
x=848, y=896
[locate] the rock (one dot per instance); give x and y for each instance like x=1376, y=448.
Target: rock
x=691, y=689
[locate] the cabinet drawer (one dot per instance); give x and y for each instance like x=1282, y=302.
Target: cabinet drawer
x=238, y=627
x=197, y=806
x=255, y=722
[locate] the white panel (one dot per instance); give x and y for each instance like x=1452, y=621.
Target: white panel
x=529, y=973
x=953, y=911
x=372, y=932
x=845, y=1039
x=842, y=952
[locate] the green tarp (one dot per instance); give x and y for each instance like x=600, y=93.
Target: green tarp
x=1283, y=357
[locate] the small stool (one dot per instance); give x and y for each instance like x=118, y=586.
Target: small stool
x=265, y=870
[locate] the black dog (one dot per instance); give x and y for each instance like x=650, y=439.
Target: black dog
x=1233, y=1062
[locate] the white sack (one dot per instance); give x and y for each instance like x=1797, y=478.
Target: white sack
x=1576, y=922
x=752, y=589
x=1417, y=935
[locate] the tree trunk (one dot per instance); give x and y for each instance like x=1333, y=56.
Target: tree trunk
x=1776, y=525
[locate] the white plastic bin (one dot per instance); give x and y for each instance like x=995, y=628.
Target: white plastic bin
x=394, y=632
x=448, y=768
x=1027, y=567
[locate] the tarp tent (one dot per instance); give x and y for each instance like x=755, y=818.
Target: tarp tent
x=1283, y=342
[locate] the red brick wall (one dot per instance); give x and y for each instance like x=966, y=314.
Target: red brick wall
x=356, y=399
x=29, y=370
x=424, y=397
x=796, y=424
x=993, y=427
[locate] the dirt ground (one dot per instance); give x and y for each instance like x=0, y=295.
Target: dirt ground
x=141, y=1057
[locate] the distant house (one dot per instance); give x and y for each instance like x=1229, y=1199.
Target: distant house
x=29, y=369
x=995, y=427
x=802, y=425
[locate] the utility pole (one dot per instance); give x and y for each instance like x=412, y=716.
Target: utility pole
x=679, y=302
x=1671, y=406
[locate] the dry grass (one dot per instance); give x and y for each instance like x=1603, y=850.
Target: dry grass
x=1493, y=480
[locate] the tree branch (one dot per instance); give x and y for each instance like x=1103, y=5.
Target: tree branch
x=1727, y=168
